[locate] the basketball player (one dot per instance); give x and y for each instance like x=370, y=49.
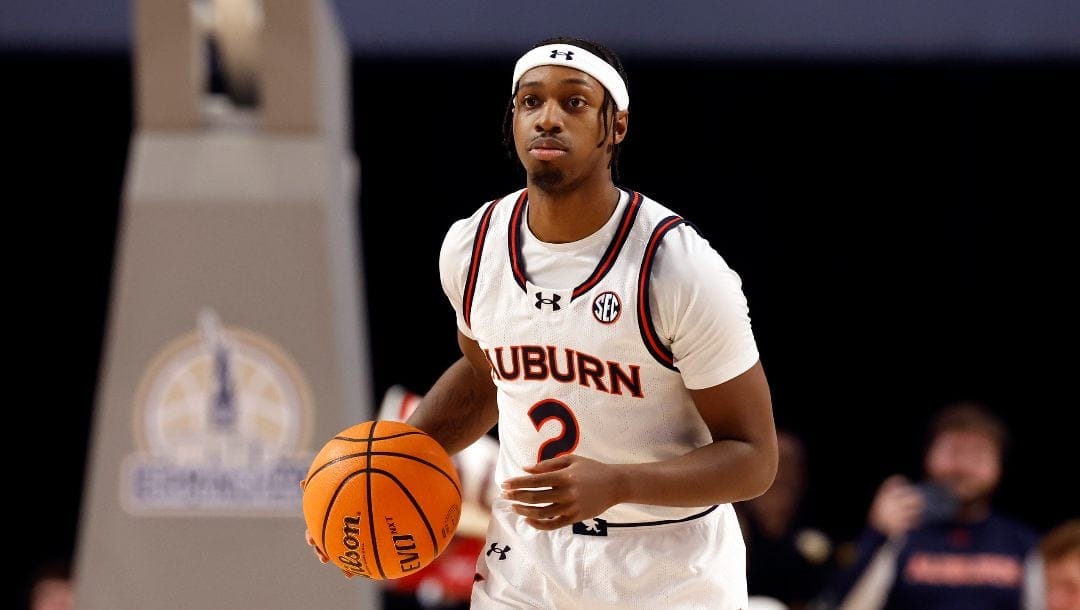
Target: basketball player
x=612, y=346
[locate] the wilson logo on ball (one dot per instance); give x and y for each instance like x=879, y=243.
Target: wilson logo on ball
x=352, y=559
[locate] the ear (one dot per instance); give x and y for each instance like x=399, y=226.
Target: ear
x=619, y=126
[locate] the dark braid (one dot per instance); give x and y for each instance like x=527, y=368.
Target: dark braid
x=607, y=111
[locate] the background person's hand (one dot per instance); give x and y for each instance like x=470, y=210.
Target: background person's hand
x=897, y=507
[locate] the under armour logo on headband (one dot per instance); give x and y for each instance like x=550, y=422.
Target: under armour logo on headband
x=583, y=60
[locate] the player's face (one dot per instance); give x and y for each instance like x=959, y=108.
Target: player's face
x=1063, y=583
x=966, y=463
x=558, y=130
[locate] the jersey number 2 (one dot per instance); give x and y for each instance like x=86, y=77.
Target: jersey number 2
x=567, y=439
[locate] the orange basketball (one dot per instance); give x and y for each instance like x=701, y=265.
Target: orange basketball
x=382, y=499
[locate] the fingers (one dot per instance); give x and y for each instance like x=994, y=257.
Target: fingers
x=551, y=465
x=549, y=511
x=548, y=517
x=543, y=482
x=545, y=517
x=322, y=557
x=536, y=496
x=546, y=473
x=551, y=524
x=529, y=481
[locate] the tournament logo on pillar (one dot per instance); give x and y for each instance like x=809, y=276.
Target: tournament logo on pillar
x=222, y=422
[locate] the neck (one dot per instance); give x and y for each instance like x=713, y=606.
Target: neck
x=562, y=216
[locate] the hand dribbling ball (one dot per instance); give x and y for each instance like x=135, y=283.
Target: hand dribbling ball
x=382, y=499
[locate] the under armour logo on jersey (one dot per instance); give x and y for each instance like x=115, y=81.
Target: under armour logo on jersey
x=553, y=301
x=495, y=549
x=556, y=53
x=591, y=527
x=606, y=307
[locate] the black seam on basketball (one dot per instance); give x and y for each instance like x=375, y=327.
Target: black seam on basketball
x=416, y=505
x=368, y=470
x=334, y=461
x=369, y=452
x=422, y=461
x=333, y=500
x=370, y=511
x=377, y=438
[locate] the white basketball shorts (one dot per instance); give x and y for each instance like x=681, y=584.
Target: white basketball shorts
x=693, y=564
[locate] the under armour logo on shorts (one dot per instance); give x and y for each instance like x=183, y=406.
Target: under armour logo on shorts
x=556, y=53
x=495, y=549
x=591, y=527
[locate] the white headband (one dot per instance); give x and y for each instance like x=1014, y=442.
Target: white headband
x=579, y=59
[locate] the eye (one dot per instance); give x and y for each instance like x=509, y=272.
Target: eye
x=529, y=101
x=577, y=102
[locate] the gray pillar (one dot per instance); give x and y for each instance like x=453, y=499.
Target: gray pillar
x=236, y=339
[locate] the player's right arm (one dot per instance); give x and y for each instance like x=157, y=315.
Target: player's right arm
x=460, y=407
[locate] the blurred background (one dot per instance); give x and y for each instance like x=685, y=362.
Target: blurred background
x=893, y=182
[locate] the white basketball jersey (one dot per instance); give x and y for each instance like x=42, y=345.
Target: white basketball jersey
x=581, y=369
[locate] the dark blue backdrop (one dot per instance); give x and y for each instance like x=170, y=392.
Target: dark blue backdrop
x=899, y=226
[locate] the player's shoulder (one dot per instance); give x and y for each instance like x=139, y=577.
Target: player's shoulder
x=676, y=232
x=666, y=218
x=466, y=226
x=685, y=257
x=501, y=200
x=653, y=209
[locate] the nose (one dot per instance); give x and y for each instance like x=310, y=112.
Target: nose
x=550, y=118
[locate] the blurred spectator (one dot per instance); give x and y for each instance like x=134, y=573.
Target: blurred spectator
x=1060, y=553
x=788, y=561
x=447, y=582
x=51, y=587
x=939, y=543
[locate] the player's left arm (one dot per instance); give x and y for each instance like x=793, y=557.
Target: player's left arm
x=739, y=464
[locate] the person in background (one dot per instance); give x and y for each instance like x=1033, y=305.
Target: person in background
x=788, y=560
x=939, y=544
x=51, y=587
x=446, y=584
x=1059, y=550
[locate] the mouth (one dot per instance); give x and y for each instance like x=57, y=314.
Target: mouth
x=546, y=149
x=548, y=143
